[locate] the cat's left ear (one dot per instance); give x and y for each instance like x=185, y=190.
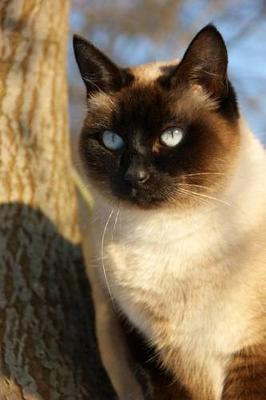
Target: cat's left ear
x=205, y=62
x=98, y=72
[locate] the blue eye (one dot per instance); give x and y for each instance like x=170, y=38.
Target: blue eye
x=112, y=140
x=171, y=137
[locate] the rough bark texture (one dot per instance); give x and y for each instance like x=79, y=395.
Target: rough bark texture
x=47, y=346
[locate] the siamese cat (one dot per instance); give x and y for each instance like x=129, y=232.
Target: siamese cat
x=179, y=221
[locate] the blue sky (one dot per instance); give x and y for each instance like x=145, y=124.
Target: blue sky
x=247, y=53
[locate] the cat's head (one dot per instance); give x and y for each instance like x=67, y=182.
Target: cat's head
x=162, y=133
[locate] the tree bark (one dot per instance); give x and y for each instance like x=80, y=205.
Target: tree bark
x=47, y=345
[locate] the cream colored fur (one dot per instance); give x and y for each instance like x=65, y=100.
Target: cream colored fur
x=190, y=281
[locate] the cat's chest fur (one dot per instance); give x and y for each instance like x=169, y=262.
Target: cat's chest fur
x=167, y=273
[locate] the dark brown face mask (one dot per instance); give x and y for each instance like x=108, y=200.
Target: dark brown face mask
x=151, y=141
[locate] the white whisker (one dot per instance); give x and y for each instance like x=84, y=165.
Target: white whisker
x=116, y=219
x=204, y=173
x=102, y=256
x=207, y=197
x=195, y=185
x=191, y=194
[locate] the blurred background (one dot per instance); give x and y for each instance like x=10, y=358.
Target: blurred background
x=137, y=31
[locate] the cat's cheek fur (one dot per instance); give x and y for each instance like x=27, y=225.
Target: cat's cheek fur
x=102, y=163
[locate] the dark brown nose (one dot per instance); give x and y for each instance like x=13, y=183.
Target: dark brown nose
x=137, y=177
x=136, y=173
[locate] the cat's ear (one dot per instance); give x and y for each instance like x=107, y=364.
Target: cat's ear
x=98, y=72
x=205, y=62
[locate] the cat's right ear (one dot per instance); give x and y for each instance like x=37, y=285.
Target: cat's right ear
x=98, y=72
x=205, y=63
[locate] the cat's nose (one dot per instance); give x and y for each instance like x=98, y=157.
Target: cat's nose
x=136, y=175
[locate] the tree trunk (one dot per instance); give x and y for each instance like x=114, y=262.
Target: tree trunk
x=47, y=345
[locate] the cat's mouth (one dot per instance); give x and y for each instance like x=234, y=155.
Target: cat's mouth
x=140, y=196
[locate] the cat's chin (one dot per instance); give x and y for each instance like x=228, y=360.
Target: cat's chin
x=140, y=203
x=143, y=204
x=140, y=199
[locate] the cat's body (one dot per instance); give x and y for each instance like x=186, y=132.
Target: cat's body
x=192, y=278
x=193, y=283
